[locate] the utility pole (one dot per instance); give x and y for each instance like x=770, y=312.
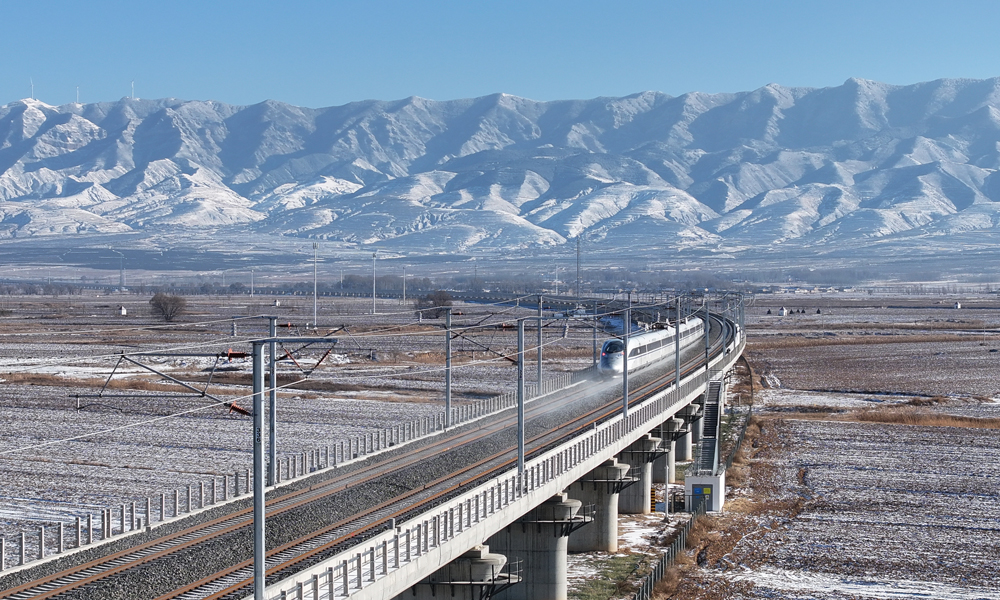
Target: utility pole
x=707, y=329
x=595, y=331
x=374, y=254
x=447, y=368
x=259, y=564
x=677, y=348
x=539, y=391
x=520, y=399
x=404, y=285
x=315, y=256
x=627, y=325
x=272, y=405
x=578, y=267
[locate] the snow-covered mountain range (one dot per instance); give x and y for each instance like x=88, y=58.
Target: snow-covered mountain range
x=775, y=166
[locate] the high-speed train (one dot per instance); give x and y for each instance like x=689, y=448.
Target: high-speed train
x=647, y=347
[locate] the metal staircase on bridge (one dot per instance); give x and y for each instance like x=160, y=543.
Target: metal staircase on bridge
x=708, y=461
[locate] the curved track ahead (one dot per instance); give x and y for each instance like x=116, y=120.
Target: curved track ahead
x=235, y=580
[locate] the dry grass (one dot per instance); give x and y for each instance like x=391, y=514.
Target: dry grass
x=785, y=342
x=911, y=413
x=923, y=418
x=125, y=383
x=928, y=401
x=713, y=537
x=701, y=531
x=963, y=325
x=736, y=476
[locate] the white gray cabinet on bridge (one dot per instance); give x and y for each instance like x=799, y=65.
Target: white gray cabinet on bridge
x=389, y=564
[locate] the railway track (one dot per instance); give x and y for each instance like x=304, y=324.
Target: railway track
x=235, y=581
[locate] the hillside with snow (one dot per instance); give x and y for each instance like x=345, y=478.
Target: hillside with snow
x=775, y=167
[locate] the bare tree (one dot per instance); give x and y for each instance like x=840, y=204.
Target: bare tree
x=167, y=306
x=434, y=304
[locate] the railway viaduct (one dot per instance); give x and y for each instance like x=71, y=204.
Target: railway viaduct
x=508, y=537
x=504, y=532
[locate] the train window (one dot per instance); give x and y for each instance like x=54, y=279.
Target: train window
x=613, y=347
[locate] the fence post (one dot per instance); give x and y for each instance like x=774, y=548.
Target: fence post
x=347, y=578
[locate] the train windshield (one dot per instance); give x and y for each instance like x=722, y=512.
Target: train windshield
x=613, y=347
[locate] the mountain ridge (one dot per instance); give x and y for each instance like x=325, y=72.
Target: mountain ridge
x=769, y=167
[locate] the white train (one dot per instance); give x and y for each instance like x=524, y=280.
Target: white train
x=647, y=347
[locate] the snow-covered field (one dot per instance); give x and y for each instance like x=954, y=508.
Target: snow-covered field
x=66, y=452
x=888, y=511
x=838, y=507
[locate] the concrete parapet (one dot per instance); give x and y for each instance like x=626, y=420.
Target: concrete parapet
x=600, y=487
x=635, y=499
x=539, y=541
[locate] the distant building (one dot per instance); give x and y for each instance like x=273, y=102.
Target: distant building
x=958, y=305
x=122, y=311
x=782, y=312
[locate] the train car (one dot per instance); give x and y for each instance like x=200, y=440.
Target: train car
x=647, y=347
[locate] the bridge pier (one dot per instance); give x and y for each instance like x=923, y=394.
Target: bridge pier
x=539, y=539
x=698, y=420
x=635, y=499
x=683, y=446
x=600, y=487
x=473, y=575
x=664, y=467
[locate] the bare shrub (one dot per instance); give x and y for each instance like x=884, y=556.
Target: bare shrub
x=736, y=476
x=167, y=306
x=700, y=531
x=925, y=401
x=435, y=304
x=667, y=586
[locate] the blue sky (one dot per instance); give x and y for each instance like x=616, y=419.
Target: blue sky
x=333, y=52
